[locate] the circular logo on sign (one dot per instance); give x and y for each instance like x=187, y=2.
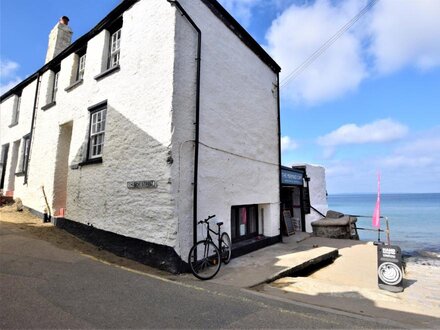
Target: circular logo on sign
x=390, y=273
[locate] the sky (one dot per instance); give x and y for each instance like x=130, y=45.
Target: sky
x=369, y=103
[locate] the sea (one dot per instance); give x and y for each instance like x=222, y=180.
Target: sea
x=414, y=221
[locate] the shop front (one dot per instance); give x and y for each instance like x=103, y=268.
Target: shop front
x=295, y=199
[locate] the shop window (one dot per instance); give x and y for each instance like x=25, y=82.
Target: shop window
x=244, y=222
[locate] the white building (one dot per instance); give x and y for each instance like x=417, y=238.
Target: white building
x=304, y=195
x=164, y=113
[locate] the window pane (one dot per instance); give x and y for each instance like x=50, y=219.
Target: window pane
x=97, y=133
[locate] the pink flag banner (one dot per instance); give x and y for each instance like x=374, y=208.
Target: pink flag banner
x=376, y=214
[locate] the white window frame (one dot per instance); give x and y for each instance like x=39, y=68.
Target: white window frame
x=55, y=86
x=81, y=67
x=16, y=110
x=97, y=132
x=115, y=49
x=26, y=148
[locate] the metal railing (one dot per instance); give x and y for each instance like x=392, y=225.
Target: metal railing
x=387, y=230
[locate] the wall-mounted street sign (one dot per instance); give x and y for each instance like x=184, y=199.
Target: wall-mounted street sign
x=389, y=268
x=141, y=184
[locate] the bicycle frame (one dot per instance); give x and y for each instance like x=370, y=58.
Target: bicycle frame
x=218, y=233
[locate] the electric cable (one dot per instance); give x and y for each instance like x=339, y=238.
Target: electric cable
x=295, y=73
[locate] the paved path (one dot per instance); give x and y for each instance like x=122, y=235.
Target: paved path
x=44, y=286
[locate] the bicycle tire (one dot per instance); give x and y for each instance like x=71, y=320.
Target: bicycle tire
x=226, y=248
x=208, y=261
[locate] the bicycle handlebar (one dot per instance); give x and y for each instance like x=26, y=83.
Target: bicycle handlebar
x=206, y=220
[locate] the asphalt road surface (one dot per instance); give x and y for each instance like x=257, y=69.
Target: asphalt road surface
x=44, y=286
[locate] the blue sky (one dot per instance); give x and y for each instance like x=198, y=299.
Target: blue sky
x=370, y=102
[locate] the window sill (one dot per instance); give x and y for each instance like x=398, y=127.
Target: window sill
x=91, y=162
x=20, y=174
x=13, y=124
x=48, y=106
x=107, y=72
x=75, y=84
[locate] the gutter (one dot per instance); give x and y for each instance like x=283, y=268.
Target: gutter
x=34, y=110
x=197, y=122
x=279, y=152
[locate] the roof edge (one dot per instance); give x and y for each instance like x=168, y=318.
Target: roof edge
x=80, y=42
x=241, y=33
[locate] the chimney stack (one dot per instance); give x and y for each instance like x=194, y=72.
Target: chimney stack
x=59, y=38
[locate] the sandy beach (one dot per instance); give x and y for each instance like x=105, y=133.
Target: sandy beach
x=352, y=276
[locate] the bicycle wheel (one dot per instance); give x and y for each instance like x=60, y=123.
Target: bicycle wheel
x=226, y=248
x=204, y=260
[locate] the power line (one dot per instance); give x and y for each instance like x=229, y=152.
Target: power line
x=295, y=73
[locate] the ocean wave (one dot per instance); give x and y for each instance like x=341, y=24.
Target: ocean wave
x=423, y=257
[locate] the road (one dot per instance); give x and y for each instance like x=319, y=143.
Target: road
x=45, y=286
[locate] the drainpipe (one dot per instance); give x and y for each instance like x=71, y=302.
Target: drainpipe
x=196, y=151
x=279, y=150
x=32, y=127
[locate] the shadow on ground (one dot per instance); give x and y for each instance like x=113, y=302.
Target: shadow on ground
x=26, y=224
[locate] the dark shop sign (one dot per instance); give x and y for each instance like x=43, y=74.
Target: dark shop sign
x=389, y=268
x=141, y=184
x=291, y=177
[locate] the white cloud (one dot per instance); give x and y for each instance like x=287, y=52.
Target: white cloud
x=383, y=130
x=288, y=144
x=299, y=32
x=405, y=33
x=8, y=68
x=241, y=9
x=8, y=74
x=8, y=85
x=393, y=35
x=421, y=152
x=414, y=166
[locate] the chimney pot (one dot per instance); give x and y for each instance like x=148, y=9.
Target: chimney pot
x=64, y=20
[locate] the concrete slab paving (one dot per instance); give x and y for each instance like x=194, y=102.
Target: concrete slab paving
x=274, y=262
x=348, y=284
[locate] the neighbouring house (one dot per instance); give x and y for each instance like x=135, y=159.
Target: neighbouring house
x=164, y=113
x=304, y=194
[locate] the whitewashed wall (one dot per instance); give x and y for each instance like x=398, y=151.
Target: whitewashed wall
x=150, y=130
x=318, y=194
x=138, y=132
x=15, y=135
x=238, y=115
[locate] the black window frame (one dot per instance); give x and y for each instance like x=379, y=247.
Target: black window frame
x=235, y=216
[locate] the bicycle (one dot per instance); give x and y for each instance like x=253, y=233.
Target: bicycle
x=205, y=257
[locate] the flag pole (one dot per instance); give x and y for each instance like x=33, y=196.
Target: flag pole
x=376, y=213
x=388, y=231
